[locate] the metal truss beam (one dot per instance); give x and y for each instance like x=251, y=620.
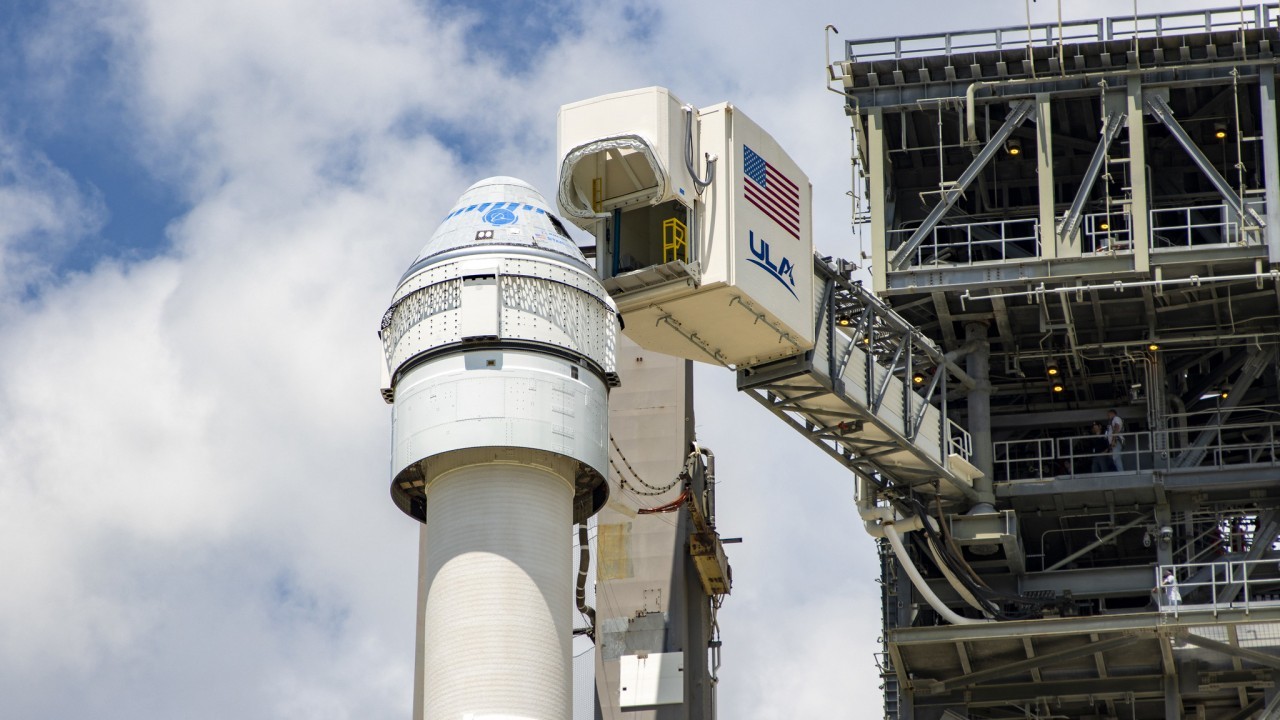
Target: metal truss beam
x=1164, y=114
x=1110, y=131
x=1018, y=114
x=1261, y=658
x=1142, y=687
x=858, y=454
x=970, y=679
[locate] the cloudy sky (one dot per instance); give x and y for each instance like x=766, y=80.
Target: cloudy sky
x=204, y=208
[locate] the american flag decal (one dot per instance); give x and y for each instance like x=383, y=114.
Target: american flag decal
x=771, y=191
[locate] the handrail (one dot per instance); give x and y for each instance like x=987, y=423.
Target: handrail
x=1019, y=37
x=1232, y=444
x=1190, y=580
x=1009, y=233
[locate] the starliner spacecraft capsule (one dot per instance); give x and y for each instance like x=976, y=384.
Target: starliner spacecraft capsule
x=499, y=353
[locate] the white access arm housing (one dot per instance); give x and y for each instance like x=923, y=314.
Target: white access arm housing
x=720, y=270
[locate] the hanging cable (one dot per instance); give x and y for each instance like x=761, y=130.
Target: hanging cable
x=698, y=183
x=651, y=489
x=584, y=562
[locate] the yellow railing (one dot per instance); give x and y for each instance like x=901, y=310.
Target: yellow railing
x=675, y=243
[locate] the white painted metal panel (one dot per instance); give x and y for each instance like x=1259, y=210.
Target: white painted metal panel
x=648, y=681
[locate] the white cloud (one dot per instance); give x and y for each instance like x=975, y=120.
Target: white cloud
x=43, y=213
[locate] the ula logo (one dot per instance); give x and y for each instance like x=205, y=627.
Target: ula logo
x=783, y=271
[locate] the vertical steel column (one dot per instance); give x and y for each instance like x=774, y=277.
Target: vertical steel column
x=978, y=366
x=878, y=169
x=1271, y=159
x=1172, y=696
x=1139, y=203
x=1049, y=247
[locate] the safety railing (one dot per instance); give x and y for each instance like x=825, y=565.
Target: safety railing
x=1108, y=232
x=1071, y=456
x=1236, y=444
x=1233, y=444
x=1050, y=34
x=959, y=441
x=969, y=243
x=1216, y=586
x=1183, y=227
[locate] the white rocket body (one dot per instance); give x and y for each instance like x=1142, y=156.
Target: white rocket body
x=499, y=348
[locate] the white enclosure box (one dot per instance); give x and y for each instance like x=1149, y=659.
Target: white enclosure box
x=720, y=274
x=646, y=682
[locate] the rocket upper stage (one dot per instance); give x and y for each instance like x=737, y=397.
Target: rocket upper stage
x=499, y=341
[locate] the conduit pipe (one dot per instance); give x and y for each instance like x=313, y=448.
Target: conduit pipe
x=922, y=587
x=882, y=521
x=1194, y=280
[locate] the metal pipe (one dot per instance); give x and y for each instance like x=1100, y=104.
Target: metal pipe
x=1274, y=275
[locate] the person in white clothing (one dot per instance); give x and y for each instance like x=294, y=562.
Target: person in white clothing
x=1171, y=595
x=1115, y=438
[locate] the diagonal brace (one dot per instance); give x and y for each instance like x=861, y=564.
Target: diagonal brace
x=1164, y=114
x=1110, y=130
x=1039, y=661
x=1261, y=658
x=1018, y=114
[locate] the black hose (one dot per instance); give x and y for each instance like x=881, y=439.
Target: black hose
x=584, y=562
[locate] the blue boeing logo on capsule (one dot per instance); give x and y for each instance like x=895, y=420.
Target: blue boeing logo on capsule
x=783, y=271
x=499, y=216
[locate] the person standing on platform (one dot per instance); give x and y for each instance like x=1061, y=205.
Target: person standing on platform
x=1097, y=447
x=1115, y=438
x=1172, y=597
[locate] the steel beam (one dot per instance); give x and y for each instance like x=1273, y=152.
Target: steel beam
x=1099, y=542
x=970, y=679
x=1261, y=658
x=1071, y=221
x=1164, y=114
x=1252, y=369
x=1044, y=179
x=1141, y=687
x=1139, y=193
x=1270, y=158
x=878, y=168
x=1018, y=114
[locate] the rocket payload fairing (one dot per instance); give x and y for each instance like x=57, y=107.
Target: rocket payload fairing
x=499, y=348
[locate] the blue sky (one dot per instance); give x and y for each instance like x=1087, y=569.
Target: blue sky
x=204, y=209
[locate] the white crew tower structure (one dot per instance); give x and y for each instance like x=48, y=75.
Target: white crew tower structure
x=499, y=347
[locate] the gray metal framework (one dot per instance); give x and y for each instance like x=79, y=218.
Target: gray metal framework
x=1127, y=258
x=807, y=392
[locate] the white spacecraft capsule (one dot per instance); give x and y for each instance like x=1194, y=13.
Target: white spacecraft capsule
x=499, y=348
